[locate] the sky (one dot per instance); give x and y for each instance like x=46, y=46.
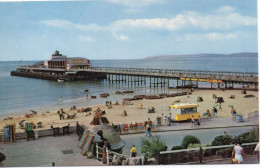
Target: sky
x=126, y=29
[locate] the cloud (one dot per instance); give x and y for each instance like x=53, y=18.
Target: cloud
x=120, y=37
x=65, y=24
x=226, y=9
x=85, y=39
x=226, y=18
x=136, y=3
x=214, y=36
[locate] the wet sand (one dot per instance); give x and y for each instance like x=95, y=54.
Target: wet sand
x=134, y=114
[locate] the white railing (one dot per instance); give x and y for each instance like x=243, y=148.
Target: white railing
x=108, y=153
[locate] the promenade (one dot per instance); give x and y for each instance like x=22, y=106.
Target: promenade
x=63, y=150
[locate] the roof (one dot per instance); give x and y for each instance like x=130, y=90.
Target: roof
x=58, y=59
x=77, y=58
x=184, y=105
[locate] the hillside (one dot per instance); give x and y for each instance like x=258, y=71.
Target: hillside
x=244, y=54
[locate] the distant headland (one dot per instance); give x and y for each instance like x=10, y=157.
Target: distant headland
x=242, y=54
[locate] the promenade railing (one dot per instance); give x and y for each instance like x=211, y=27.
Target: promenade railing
x=109, y=155
x=201, y=153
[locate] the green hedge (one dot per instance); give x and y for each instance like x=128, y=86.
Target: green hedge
x=189, y=139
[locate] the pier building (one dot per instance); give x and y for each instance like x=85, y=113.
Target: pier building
x=59, y=61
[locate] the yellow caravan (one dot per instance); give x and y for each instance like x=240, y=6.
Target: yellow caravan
x=185, y=111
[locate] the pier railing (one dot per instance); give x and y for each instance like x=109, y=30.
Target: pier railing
x=164, y=73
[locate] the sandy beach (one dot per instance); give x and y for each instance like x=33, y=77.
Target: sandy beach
x=134, y=114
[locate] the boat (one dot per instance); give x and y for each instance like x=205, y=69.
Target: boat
x=118, y=92
x=128, y=91
x=60, y=80
x=104, y=95
x=86, y=90
x=93, y=97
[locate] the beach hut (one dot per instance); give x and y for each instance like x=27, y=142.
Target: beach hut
x=9, y=134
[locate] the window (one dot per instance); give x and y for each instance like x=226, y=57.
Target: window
x=189, y=110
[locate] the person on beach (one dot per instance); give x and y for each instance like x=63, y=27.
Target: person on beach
x=140, y=106
x=104, y=152
x=124, y=114
x=61, y=116
x=60, y=101
x=238, y=152
x=215, y=111
x=219, y=106
x=133, y=151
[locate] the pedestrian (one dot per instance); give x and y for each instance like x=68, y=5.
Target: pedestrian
x=225, y=133
x=192, y=122
x=256, y=151
x=165, y=119
x=169, y=119
x=198, y=121
x=148, y=129
x=219, y=106
x=133, y=151
x=104, y=152
x=238, y=151
x=158, y=121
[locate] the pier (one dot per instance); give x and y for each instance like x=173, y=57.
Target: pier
x=140, y=76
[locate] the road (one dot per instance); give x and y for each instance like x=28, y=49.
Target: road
x=173, y=138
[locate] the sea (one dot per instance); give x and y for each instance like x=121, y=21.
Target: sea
x=19, y=95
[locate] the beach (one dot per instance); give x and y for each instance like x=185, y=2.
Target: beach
x=242, y=105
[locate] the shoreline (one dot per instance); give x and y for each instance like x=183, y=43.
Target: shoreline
x=242, y=105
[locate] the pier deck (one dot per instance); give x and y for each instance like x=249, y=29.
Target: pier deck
x=157, y=76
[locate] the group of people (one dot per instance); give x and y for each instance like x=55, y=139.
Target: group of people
x=195, y=122
x=109, y=104
x=61, y=114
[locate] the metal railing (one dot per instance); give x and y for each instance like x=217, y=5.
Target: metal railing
x=170, y=73
x=200, y=150
x=109, y=154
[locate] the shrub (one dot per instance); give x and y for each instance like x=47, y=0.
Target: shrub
x=222, y=140
x=177, y=147
x=189, y=139
x=152, y=147
x=247, y=137
x=2, y=157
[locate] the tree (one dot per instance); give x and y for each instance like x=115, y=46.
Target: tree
x=152, y=147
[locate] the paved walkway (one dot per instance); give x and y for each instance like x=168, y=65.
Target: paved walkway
x=250, y=159
x=44, y=151
x=206, y=123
